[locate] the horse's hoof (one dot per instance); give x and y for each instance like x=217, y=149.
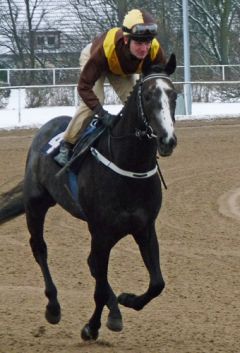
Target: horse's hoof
x=51, y=317
x=88, y=334
x=114, y=324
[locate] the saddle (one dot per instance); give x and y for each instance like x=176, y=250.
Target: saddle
x=91, y=133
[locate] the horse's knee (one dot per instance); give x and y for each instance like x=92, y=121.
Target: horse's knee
x=157, y=288
x=97, y=271
x=39, y=249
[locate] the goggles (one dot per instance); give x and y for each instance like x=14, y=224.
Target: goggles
x=142, y=30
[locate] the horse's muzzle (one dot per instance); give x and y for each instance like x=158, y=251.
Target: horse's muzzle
x=166, y=146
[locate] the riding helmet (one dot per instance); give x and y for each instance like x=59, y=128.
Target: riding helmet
x=139, y=25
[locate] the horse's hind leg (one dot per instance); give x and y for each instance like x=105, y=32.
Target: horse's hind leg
x=148, y=245
x=36, y=209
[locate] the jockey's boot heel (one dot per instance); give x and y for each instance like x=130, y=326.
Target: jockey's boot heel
x=64, y=154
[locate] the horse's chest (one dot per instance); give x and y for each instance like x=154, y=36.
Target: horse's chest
x=131, y=211
x=122, y=205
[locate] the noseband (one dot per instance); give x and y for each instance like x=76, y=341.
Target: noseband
x=148, y=132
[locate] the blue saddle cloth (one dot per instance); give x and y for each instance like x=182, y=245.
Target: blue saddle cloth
x=86, y=140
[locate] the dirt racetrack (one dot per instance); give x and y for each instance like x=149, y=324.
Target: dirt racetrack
x=199, y=233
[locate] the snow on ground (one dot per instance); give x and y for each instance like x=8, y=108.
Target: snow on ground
x=16, y=116
x=212, y=111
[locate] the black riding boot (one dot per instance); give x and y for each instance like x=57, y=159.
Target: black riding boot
x=64, y=154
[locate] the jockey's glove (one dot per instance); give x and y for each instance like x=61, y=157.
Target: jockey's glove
x=106, y=118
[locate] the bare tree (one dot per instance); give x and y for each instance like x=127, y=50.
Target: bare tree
x=18, y=23
x=212, y=25
x=97, y=16
x=94, y=17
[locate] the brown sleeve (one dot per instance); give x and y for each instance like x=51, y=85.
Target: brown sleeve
x=93, y=69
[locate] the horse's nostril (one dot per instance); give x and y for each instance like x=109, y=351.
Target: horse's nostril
x=172, y=142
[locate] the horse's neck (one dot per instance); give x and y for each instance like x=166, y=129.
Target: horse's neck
x=130, y=118
x=128, y=149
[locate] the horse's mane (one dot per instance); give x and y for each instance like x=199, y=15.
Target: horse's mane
x=148, y=70
x=130, y=94
x=152, y=69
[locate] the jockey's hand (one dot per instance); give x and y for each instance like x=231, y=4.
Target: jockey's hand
x=106, y=118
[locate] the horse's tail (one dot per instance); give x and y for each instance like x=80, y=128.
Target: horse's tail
x=11, y=203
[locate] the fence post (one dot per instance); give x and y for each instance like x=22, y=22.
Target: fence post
x=223, y=73
x=75, y=97
x=19, y=105
x=8, y=77
x=54, y=77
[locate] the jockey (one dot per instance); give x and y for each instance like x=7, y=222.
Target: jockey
x=118, y=55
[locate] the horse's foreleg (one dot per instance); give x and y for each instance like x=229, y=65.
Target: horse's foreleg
x=35, y=219
x=114, y=322
x=149, y=248
x=98, y=264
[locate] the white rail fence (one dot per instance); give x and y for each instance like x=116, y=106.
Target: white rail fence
x=52, y=73
x=54, y=76
x=59, y=74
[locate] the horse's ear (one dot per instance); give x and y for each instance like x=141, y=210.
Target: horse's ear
x=171, y=65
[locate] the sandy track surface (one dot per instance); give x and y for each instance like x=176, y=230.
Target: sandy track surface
x=199, y=234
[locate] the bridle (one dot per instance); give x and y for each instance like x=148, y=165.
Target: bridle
x=148, y=132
